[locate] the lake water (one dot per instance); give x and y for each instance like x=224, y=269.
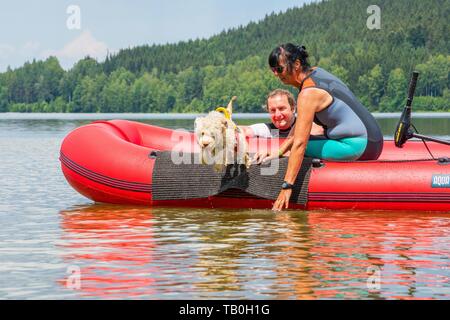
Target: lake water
x=56, y=244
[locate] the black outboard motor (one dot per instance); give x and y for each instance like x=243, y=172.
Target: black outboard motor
x=403, y=132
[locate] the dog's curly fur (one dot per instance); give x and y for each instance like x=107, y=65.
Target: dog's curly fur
x=221, y=142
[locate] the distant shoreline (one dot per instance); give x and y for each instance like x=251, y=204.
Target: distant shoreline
x=176, y=116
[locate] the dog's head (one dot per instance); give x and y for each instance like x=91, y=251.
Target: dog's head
x=210, y=130
x=215, y=135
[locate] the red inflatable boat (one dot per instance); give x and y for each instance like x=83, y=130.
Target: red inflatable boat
x=110, y=162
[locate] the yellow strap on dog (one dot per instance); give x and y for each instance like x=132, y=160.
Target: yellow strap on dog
x=227, y=115
x=225, y=112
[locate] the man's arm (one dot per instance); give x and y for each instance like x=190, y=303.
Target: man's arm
x=248, y=131
x=262, y=131
x=256, y=130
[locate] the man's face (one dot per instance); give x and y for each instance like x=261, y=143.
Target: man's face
x=280, y=111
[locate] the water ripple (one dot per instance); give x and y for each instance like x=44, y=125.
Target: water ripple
x=49, y=233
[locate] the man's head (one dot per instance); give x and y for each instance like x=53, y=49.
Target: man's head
x=281, y=108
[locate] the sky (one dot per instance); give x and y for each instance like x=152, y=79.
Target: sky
x=71, y=30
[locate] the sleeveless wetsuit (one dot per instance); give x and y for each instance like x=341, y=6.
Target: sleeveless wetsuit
x=351, y=132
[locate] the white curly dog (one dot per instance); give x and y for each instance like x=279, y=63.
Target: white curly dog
x=221, y=141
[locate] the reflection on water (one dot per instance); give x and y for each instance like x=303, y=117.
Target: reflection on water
x=169, y=253
x=114, y=248
x=172, y=254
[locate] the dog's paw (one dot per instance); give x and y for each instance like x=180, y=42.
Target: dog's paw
x=219, y=168
x=248, y=161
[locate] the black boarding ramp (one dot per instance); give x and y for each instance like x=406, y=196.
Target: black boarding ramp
x=173, y=180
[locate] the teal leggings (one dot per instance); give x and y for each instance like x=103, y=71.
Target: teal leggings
x=342, y=149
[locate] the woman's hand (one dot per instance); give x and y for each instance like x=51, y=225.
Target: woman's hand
x=262, y=157
x=282, y=201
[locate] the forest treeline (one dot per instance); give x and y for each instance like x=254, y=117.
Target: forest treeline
x=197, y=75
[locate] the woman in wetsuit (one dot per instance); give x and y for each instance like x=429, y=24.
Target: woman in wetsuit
x=351, y=132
